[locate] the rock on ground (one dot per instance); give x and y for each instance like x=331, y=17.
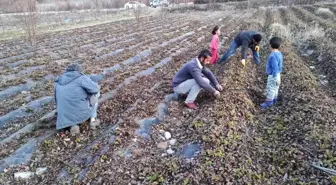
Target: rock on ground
x=23, y=175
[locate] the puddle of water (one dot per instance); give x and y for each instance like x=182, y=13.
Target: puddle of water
x=191, y=150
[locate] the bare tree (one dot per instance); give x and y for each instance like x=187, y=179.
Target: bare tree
x=97, y=7
x=28, y=18
x=137, y=13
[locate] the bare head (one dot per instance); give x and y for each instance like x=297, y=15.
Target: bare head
x=275, y=42
x=256, y=38
x=205, y=56
x=216, y=30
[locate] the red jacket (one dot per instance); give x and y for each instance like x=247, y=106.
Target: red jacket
x=214, y=49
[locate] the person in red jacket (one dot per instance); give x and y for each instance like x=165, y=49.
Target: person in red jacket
x=214, y=45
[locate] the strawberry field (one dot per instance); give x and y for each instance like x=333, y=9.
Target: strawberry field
x=229, y=140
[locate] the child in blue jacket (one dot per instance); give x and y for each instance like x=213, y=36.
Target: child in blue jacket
x=273, y=70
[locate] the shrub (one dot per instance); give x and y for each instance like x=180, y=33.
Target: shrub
x=324, y=11
x=280, y=30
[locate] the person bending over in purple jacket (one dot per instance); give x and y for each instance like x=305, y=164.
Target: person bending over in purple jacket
x=194, y=76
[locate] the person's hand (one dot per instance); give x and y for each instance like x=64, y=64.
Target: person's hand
x=217, y=94
x=257, y=48
x=219, y=87
x=243, y=62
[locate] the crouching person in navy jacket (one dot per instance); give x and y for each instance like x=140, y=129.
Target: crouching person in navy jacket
x=194, y=76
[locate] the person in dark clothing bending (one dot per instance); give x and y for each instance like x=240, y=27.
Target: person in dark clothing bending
x=245, y=39
x=194, y=76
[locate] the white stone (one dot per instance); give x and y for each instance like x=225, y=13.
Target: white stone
x=161, y=131
x=167, y=135
x=40, y=171
x=285, y=177
x=23, y=175
x=163, y=155
x=67, y=139
x=170, y=151
x=162, y=145
x=172, y=141
x=312, y=67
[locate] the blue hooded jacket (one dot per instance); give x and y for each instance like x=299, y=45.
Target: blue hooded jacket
x=274, y=63
x=72, y=92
